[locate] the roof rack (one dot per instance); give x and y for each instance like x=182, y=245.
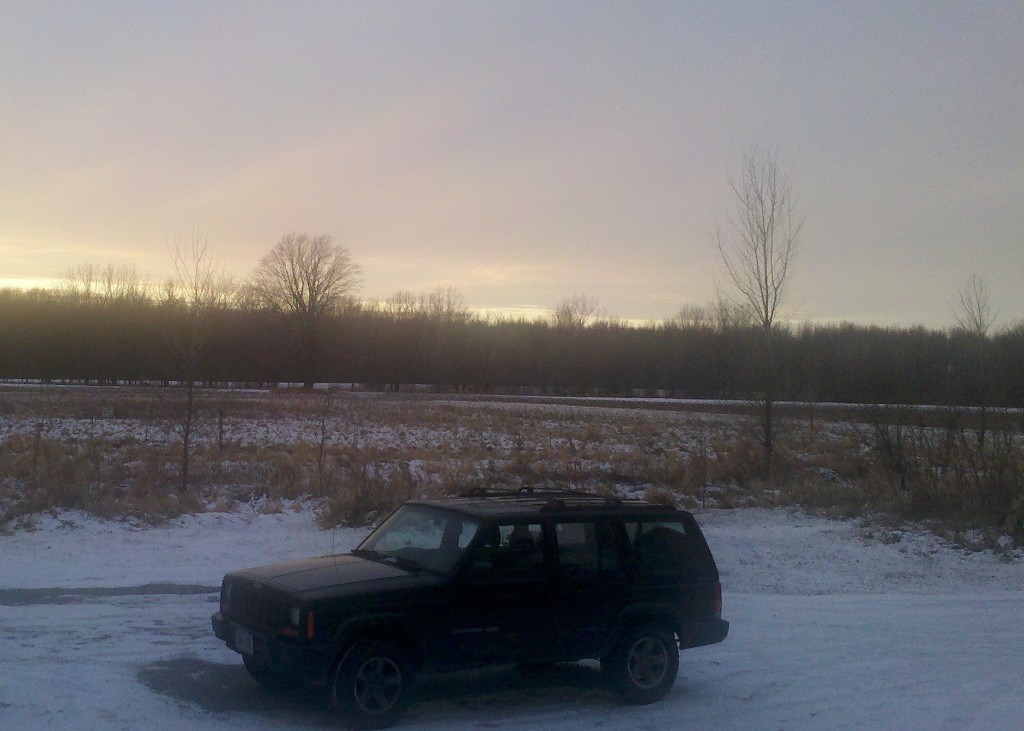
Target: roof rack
x=554, y=498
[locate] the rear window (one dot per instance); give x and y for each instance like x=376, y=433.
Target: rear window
x=662, y=548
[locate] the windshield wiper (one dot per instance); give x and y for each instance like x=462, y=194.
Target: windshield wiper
x=403, y=563
x=390, y=558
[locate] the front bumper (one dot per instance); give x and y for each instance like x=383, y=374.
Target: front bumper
x=698, y=634
x=309, y=663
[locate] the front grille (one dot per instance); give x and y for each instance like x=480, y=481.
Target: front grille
x=257, y=608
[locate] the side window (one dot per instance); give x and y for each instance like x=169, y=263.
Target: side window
x=586, y=550
x=511, y=553
x=661, y=549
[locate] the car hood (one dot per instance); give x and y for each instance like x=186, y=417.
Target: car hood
x=337, y=575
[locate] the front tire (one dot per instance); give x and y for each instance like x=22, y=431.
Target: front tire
x=371, y=683
x=644, y=664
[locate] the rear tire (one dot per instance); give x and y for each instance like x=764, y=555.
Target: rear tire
x=644, y=664
x=371, y=683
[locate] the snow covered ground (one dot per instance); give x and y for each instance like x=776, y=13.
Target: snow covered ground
x=105, y=625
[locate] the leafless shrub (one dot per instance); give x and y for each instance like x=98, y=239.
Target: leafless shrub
x=370, y=490
x=110, y=452
x=737, y=461
x=948, y=473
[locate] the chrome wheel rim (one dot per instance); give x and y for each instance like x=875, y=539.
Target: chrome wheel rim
x=378, y=685
x=647, y=662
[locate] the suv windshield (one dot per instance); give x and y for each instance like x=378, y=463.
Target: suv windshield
x=421, y=538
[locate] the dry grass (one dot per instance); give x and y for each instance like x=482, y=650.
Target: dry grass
x=115, y=452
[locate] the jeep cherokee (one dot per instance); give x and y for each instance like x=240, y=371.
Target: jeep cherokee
x=487, y=578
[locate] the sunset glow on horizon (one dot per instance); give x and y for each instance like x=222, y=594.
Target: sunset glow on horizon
x=522, y=152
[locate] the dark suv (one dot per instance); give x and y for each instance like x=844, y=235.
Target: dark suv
x=487, y=578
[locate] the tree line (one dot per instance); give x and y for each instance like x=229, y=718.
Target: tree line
x=431, y=340
x=296, y=319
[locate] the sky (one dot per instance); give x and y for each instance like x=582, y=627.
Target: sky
x=523, y=152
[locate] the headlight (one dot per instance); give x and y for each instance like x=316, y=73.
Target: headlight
x=300, y=624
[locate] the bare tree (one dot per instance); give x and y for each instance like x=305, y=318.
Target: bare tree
x=444, y=304
x=444, y=311
x=323, y=470
x=575, y=312
x=306, y=279
x=692, y=317
x=721, y=315
x=975, y=316
x=122, y=284
x=79, y=282
x=756, y=252
x=198, y=289
x=974, y=313
x=402, y=305
x=728, y=315
x=89, y=283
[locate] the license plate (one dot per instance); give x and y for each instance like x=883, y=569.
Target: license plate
x=243, y=640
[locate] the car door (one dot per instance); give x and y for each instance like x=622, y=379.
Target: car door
x=504, y=609
x=590, y=589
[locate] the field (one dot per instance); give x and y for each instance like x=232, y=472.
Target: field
x=843, y=614
x=119, y=451
x=122, y=452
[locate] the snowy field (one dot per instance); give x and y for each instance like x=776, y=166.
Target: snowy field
x=105, y=625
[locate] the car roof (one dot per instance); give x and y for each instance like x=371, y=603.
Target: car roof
x=505, y=504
